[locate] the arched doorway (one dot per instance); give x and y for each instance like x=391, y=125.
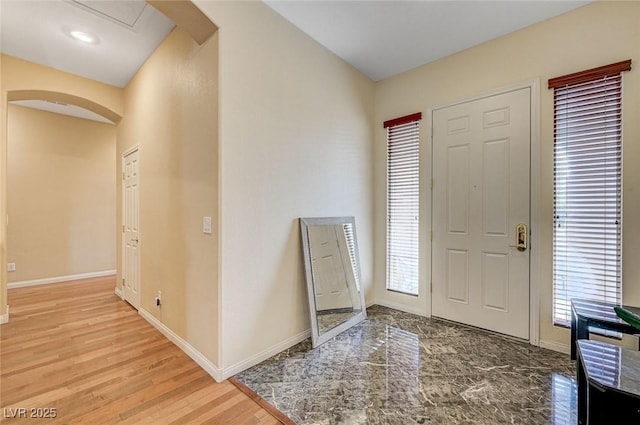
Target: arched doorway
x=19, y=94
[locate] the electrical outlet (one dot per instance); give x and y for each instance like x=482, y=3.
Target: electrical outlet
x=159, y=299
x=11, y=267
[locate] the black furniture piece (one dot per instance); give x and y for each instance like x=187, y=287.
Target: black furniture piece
x=596, y=314
x=608, y=384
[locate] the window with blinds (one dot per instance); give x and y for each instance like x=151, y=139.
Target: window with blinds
x=587, y=155
x=403, y=203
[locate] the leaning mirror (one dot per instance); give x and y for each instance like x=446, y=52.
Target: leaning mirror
x=336, y=298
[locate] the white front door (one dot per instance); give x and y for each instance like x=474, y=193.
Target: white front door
x=328, y=266
x=481, y=172
x=130, y=229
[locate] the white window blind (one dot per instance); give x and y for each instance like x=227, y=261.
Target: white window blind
x=587, y=157
x=403, y=203
x=351, y=246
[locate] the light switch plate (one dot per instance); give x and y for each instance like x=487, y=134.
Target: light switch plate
x=206, y=225
x=11, y=267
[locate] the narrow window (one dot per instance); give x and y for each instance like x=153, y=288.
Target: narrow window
x=587, y=187
x=403, y=203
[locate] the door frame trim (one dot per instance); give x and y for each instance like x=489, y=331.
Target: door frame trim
x=122, y=242
x=534, y=194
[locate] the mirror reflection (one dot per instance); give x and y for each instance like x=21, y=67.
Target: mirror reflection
x=336, y=299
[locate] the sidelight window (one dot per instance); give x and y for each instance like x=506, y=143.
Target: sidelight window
x=587, y=187
x=403, y=203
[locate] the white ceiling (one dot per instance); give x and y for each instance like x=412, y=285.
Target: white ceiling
x=380, y=38
x=385, y=38
x=127, y=31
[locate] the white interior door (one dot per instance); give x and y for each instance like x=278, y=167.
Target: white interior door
x=329, y=274
x=481, y=171
x=130, y=228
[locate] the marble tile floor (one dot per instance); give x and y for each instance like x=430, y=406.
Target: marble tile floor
x=399, y=368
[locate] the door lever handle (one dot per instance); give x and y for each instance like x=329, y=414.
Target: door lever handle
x=522, y=237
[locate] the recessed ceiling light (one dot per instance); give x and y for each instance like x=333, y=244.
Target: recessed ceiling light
x=84, y=37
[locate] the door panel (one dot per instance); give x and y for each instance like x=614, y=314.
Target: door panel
x=481, y=177
x=131, y=234
x=458, y=193
x=458, y=275
x=495, y=282
x=495, y=181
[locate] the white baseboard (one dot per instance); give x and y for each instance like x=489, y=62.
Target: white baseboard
x=555, y=346
x=219, y=374
x=57, y=279
x=119, y=293
x=401, y=307
x=4, y=318
x=197, y=356
x=264, y=355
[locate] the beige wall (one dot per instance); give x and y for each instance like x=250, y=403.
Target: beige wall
x=296, y=140
x=60, y=195
x=16, y=74
x=171, y=115
x=594, y=35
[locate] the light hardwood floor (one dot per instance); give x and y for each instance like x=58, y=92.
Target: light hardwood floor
x=77, y=348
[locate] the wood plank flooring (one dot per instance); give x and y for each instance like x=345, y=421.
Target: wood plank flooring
x=75, y=351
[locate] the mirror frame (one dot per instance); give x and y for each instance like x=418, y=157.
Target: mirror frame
x=317, y=338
